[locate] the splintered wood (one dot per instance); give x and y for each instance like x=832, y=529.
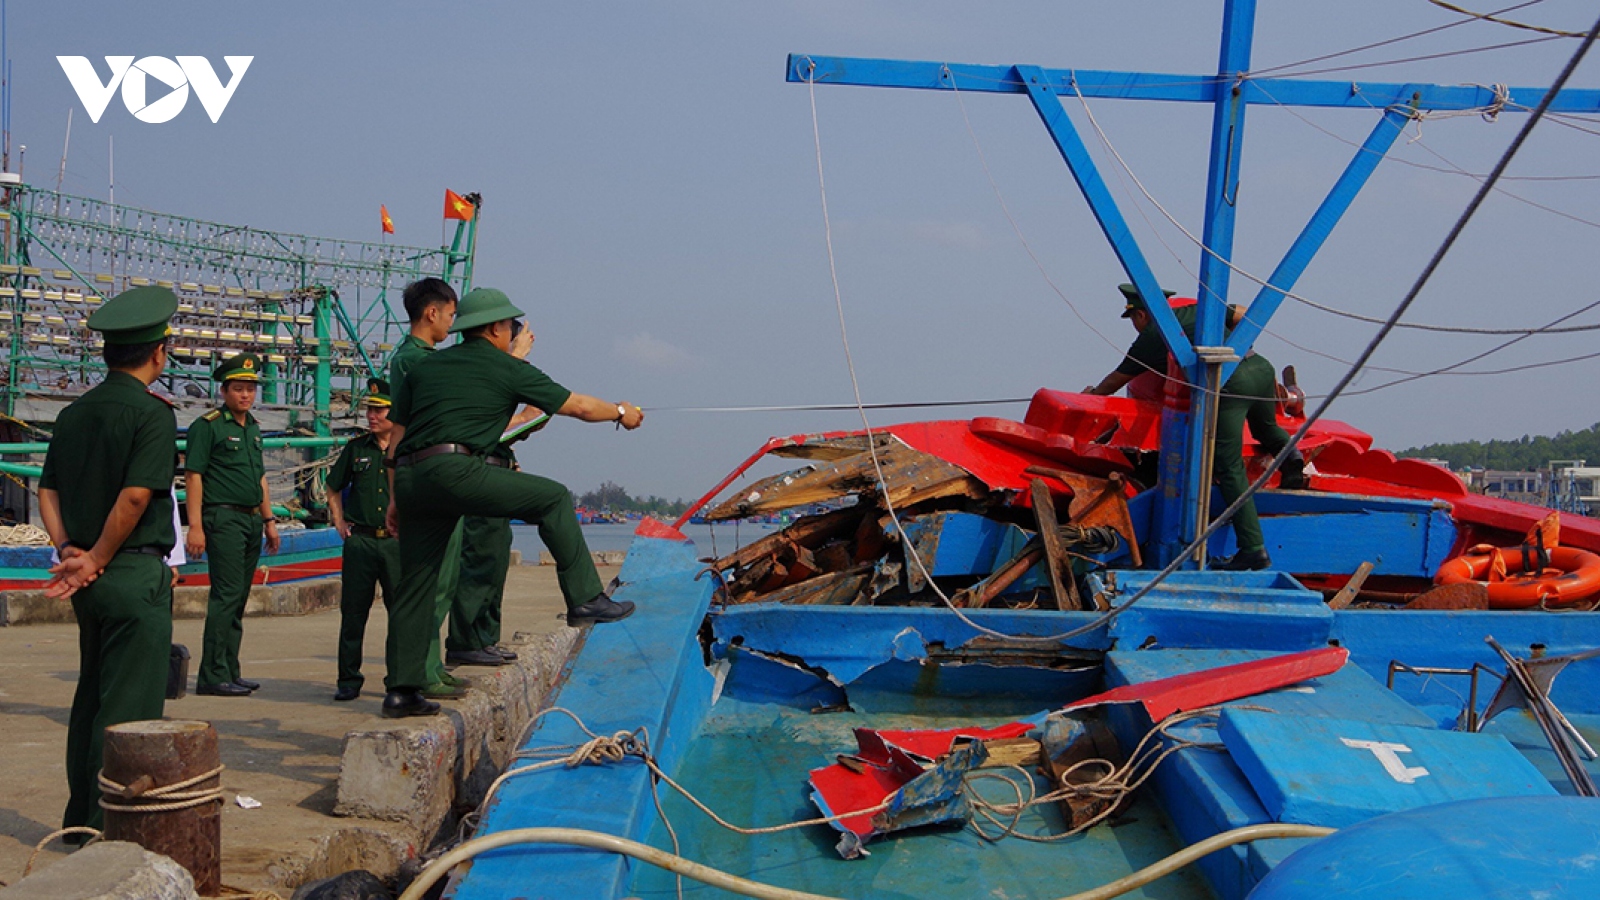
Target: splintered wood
x=909, y=477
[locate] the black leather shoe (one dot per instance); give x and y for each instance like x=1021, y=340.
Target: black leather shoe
x=598, y=611
x=1292, y=475
x=248, y=685
x=407, y=702
x=346, y=694
x=474, y=658
x=225, y=689
x=1245, y=561
x=507, y=655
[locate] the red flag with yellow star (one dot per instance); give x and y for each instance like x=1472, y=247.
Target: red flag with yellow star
x=388, y=223
x=457, y=206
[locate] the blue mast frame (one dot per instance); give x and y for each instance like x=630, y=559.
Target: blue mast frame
x=1231, y=91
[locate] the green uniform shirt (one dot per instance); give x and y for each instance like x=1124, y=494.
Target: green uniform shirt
x=1149, y=350
x=360, y=467
x=118, y=435
x=228, y=456
x=411, y=351
x=466, y=394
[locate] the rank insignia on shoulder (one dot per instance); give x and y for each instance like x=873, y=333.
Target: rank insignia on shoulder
x=162, y=399
x=212, y=416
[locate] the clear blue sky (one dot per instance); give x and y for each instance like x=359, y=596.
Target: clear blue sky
x=651, y=195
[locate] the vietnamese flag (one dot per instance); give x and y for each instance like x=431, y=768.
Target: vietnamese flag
x=457, y=206
x=388, y=223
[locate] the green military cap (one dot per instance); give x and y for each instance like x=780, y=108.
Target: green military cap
x=378, y=392
x=139, y=316
x=483, y=306
x=244, y=367
x=1130, y=294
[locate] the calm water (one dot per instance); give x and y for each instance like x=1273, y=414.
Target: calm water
x=709, y=540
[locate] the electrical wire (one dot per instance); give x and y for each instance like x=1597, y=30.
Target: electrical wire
x=1383, y=43
x=1444, y=54
x=1495, y=18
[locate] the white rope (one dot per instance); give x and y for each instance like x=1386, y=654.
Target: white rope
x=23, y=536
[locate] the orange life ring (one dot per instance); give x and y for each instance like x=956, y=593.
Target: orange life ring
x=1572, y=576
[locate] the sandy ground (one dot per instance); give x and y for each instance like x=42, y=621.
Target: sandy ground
x=281, y=746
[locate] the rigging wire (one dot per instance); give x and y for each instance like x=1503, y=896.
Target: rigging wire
x=1444, y=54
x=1509, y=23
x=1384, y=43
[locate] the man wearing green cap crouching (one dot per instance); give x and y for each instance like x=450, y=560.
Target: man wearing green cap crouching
x=105, y=498
x=448, y=416
x=229, y=507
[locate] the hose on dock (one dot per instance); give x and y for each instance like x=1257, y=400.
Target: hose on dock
x=594, y=840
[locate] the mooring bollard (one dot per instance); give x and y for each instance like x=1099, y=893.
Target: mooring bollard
x=161, y=786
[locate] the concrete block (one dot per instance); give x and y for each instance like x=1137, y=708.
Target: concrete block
x=419, y=771
x=379, y=851
x=108, y=870
x=33, y=608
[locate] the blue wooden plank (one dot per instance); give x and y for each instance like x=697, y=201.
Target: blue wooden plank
x=1252, y=610
x=1337, y=772
x=643, y=671
x=1410, y=544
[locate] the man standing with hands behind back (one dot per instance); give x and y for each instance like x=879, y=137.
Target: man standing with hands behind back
x=106, y=500
x=228, y=508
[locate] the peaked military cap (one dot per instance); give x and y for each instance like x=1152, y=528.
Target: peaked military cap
x=244, y=367
x=1130, y=294
x=483, y=306
x=378, y=392
x=137, y=316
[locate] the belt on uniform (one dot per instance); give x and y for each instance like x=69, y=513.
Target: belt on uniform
x=368, y=531
x=411, y=459
x=147, y=550
x=253, y=510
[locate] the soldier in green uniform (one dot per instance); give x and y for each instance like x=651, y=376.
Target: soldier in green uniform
x=1249, y=397
x=105, y=497
x=371, y=553
x=450, y=413
x=430, y=305
x=228, y=507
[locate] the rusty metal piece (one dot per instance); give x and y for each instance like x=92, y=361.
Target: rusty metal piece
x=1347, y=594
x=1063, y=584
x=1466, y=595
x=1097, y=501
x=982, y=593
x=168, y=752
x=138, y=787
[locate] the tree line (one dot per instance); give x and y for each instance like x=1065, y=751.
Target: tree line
x=1526, y=452
x=613, y=497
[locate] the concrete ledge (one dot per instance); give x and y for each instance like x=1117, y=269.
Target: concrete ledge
x=297, y=598
x=601, y=557
x=107, y=870
x=425, y=772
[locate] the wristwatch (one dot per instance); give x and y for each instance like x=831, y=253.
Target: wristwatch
x=622, y=411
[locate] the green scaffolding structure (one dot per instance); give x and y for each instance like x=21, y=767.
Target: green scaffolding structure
x=322, y=312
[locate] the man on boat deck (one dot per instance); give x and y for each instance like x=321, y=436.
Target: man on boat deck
x=448, y=415
x=430, y=305
x=229, y=506
x=1250, y=396
x=105, y=498
x=371, y=553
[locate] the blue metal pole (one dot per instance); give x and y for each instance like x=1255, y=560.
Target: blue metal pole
x=1316, y=232
x=1222, y=190
x=1104, y=207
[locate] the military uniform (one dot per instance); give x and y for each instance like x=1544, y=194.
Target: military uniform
x=371, y=553
x=1248, y=397
x=228, y=457
x=455, y=406
x=116, y=436
x=481, y=586
x=411, y=351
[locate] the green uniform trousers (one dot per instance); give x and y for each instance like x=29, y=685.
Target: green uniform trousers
x=1249, y=397
x=233, y=548
x=444, y=600
x=485, y=560
x=433, y=496
x=124, y=641
x=368, y=563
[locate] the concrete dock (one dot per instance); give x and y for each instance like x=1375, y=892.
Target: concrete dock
x=286, y=745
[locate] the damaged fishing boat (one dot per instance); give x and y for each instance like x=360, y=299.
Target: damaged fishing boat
x=988, y=658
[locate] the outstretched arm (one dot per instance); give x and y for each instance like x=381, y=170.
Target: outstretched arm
x=593, y=409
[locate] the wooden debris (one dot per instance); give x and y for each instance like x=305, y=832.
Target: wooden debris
x=806, y=531
x=909, y=476
x=1097, y=501
x=1063, y=582
x=832, y=589
x=1347, y=594
x=1019, y=751
x=984, y=592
